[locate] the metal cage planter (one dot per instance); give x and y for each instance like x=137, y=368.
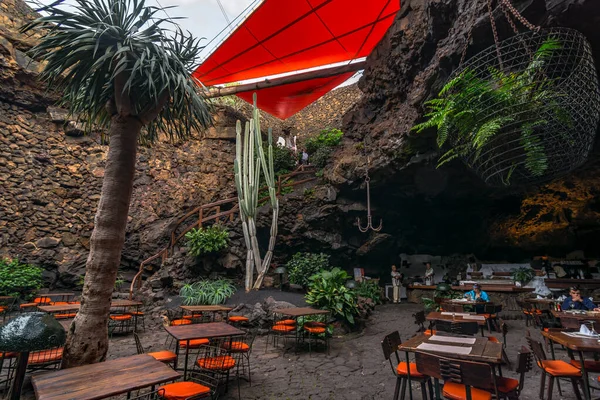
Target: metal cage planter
x=561, y=125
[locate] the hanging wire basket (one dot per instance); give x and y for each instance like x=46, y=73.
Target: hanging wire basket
x=552, y=131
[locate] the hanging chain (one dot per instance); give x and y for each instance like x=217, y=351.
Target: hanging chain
x=507, y=9
x=518, y=16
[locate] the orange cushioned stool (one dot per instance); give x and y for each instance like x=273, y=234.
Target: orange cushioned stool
x=183, y=391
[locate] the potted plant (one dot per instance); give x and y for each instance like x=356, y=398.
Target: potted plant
x=522, y=276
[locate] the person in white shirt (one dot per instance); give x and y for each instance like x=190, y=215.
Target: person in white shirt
x=396, y=283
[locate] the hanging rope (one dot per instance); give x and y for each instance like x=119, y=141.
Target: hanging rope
x=369, y=217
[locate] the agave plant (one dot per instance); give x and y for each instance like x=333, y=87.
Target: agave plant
x=207, y=292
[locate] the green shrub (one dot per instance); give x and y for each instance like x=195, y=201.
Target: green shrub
x=207, y=240
x=207, y=292
x=283, y=160
x=304, y=265
x=327, y=291
x=327, y=138
x=17, y=279
x=370, y=290
x=320, y=157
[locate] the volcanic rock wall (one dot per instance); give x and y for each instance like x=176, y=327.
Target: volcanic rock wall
x=448, y=210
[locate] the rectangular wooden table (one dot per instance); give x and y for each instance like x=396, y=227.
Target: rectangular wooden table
x=482, y=350
x=214, y=309
x=299, y=311
x=208, y=330
x=75, y=307
x=439, y=316
x=588, y=316
x=575, y=344
x=103, y=380
x=3, y=298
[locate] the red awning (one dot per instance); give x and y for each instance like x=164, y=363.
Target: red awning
x=291, y=35
x=286, y=100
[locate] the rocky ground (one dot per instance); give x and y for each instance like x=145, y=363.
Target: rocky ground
x=354, y=369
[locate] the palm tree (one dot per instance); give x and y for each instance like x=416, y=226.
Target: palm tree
x=118, y=69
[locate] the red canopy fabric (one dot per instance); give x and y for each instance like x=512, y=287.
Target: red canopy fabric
x=286, y=100
x=291, y=35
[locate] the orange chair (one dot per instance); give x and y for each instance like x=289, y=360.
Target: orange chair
x=390, y=344
x=164, y=356
x=45, y=359
x=217, y=362
x=511, y=388
x=316, y=330
x=241, y=346
x=199, y=386
x=463, y=380
x=120, y=323
x=285, y=328
x=554, y=369
x=237, y=319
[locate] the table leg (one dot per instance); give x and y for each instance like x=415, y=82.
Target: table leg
x=187, y=353
x=584, y=376
x=410, y=396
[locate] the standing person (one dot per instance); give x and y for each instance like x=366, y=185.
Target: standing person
x=429, y=274
x=576, y=302
x=396, y=283
x=304, y=157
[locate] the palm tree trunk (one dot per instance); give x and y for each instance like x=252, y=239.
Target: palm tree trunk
x=87, y=340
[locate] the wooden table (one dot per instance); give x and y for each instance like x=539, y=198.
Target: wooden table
x=579, y=345
x=103, y=380
x=208, y=330
x=64, y=296
x=443, y=316
x=206, y=308
x=482, y=350
x=75, y=307
x=467, y=302
x=3, y=298
x=588, y=316
x=299, y=311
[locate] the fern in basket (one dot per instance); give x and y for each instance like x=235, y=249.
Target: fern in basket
x=476, y=110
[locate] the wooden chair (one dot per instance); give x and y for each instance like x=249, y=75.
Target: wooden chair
x=390, y=344
x=420, y=320
x=463, y=380
x=458, y=327
x=554, y=369
x=490, y=312
x=164, y=356
x=504, y=331
x=528, y=311
x=510, y=388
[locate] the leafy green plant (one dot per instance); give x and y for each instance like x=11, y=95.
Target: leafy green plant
x=284, y=160
x=207, y=240
x=326, y=138
x=304, y=265
x=477, y=110
x=327, y=291
x=207, y=292
x=523, y=275
x=18, y=279
x=370, y=290
x=320, y=157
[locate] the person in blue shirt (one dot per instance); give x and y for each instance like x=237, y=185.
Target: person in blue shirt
x=477, y=294
x=576, y=302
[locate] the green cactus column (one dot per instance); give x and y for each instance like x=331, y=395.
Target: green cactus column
x=248, y=170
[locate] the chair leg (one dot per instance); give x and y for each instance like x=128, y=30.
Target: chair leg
x=430, y=386
x=542, y=385
x=550, y=387
x=576, y=388
x=423, y=390
x=559, y=388
x=403, y=394
x=397, y=388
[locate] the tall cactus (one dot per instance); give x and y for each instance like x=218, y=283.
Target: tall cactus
x=247, y=170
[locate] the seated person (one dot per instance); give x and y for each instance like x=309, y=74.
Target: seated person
x=477, y=294
x=576, y=302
